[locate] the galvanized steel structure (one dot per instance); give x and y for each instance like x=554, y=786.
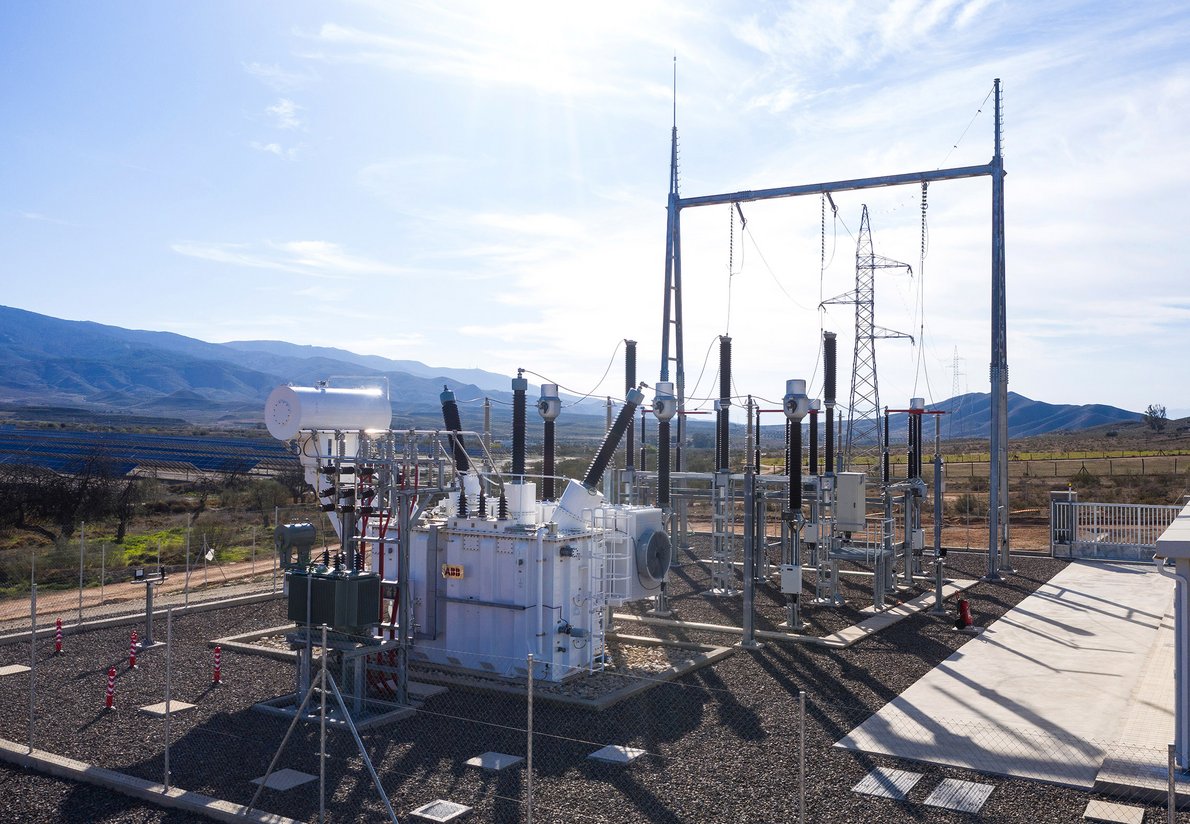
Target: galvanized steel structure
x=671, y=330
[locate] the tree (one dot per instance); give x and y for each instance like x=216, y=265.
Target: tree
x=1154, y=415
x=53, y=504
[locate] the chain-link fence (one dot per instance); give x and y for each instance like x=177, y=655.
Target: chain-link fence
x=87, y=579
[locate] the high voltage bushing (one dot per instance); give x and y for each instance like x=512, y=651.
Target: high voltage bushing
x=665, y=406
x=519, y=387
x=547, y=462
x=629, y=383
x=454, y=425
x=815, y=405
x=788, y=448
x=549, y=406
x=663, y=464
x=828, y=396
x=612, y=440
x=796, y=405
x=918, y=406
x=644, y=466
x=723, y=407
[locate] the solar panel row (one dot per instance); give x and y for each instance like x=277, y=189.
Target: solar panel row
x=60, y=449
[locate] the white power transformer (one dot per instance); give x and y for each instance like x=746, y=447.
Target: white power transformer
x=488, y=592
x=484, y=591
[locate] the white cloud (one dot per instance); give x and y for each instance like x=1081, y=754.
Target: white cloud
x=284, y=114
x=43, y=218
x=277, y=78
x=274, y=148
x=316, y=258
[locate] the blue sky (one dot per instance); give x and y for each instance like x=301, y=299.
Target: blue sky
x=483, y=184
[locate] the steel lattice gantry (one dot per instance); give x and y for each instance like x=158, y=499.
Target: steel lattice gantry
x=865, y=435
x=998, y=367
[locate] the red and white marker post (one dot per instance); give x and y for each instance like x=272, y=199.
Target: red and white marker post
x=58, y=638
x=132, y=652
x=111, y=688
x=218, y=679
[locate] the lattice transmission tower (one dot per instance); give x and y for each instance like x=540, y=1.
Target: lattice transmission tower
x=865, y=431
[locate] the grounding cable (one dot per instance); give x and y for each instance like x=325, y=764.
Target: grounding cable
x=978, y=111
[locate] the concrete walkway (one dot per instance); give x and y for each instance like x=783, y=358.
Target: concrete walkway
x=1049, y=689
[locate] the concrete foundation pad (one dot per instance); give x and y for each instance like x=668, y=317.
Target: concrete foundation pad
x=1106, y=812
x=285, y=779
x=958, y=795
x=440, y=810
x=1013, y=701
x=615, y=754
x=159, y=709
x=13, y=669
x=494, y=761
x=148, y=791
x=887, y=783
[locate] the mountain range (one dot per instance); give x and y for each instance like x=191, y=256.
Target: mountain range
x=62, y=368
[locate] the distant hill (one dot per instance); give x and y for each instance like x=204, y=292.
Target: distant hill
x=477, y=377
x=46, y=361
x=103, y=370
x=969, y=416
x=49, y=363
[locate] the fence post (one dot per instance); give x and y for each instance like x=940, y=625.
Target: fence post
x=102, y=571
x=276, y=523
x=322, y=734
x=82, y=549
x=529, y=746
x=1172, y=793
x=186, y=580
x=32, y=659
x=169, y=645
x=801, y=757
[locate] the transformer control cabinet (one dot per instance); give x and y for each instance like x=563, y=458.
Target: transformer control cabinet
x=345, y=602
x=851, y=504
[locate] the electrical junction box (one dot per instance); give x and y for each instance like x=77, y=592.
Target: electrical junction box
x=791, y=579
x=918, y=541
x=850, y=501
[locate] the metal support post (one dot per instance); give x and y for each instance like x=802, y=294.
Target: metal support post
x=907, y=543
x=801, y=757
x=169, y=641
x=1171, y=802
x=405, y=617
x=529, y=744
x=82, y=564
x=749, y=636
x=721, y=565
x=148, y=639
x=32, y=660
x=939, y=493
x=321, y=730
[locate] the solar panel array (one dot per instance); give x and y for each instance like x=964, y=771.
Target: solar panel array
x=61, y=450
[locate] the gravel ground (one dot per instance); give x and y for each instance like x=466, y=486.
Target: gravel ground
x=720, y=743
